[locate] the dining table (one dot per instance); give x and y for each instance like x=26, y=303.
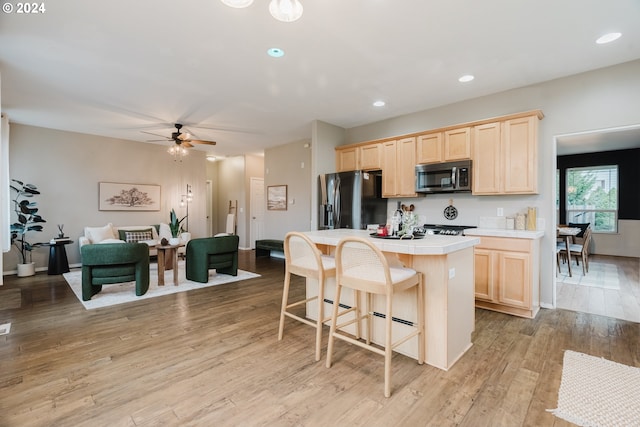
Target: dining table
x=567, y=234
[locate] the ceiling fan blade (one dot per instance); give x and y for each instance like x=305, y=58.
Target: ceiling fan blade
x=198, y=141
x=186, y=136
x=155, y=134
x=186, y=144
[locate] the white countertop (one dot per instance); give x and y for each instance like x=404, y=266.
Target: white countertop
x=500, y=232
x=428, y=245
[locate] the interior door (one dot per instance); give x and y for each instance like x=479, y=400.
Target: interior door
x=256, y=204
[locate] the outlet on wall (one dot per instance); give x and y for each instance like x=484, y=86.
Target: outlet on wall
x=500, y=212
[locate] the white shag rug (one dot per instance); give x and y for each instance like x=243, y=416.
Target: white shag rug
x=126, y=292
x=597, y=392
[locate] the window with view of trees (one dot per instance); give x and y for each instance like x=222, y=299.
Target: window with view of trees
x=592, y=196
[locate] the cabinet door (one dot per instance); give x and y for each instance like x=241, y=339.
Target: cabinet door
x=370, y=157
x=457, y=144
x=520, y=155
x=487, y=177
x=484, y=274
x=347, y=159
x=406, y=167
x=389, y=169
x=514, y=284
x=429, y=148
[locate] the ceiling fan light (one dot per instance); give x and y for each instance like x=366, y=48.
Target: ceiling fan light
x=238, y=3
x=285, y=10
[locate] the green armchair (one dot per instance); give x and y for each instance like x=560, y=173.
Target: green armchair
x=109, y=263
x=206, y=253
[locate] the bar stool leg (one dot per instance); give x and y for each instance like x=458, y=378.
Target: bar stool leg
x=334, y=320
x=388, y=343
x=320, y=320
x=285, y=300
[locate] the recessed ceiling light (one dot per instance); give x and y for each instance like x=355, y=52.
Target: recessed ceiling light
x=211, y=158
x=379, y=104
x=466, y=78
x=275, y=52
x=607, y=38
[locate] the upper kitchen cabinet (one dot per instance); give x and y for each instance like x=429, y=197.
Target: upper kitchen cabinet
x=398, y=168
x=346, y=159
x=457, y=144
x=370, y=156
x=438, y=147
x=505, y=156
x=363, y=157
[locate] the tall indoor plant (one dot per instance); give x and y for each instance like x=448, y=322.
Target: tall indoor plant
x=28, y=220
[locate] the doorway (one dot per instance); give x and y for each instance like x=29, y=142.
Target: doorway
x=256, y=205
x=611, y=287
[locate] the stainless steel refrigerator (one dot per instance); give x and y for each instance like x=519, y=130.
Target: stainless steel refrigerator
x=351, y=200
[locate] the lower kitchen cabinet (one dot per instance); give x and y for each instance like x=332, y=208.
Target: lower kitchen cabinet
x=507, y=277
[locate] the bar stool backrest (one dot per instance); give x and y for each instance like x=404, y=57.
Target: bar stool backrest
x=360, y=265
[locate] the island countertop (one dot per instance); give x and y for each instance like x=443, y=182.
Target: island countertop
x=428, y=245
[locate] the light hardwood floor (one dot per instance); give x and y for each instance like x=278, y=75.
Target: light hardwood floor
x=211, y=357
x=610, y=288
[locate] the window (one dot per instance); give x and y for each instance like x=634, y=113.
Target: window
x=592, y=196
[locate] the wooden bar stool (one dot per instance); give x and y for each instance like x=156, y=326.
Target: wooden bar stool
x=303, y=258
x=363, y=267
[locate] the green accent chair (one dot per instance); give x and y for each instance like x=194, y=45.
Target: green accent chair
x=207, y=253
x=109, y=263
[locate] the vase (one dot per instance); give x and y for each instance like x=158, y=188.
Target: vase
x=174, y=241
x=25, y=270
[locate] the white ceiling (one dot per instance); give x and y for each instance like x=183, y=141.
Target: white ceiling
x=119, y=67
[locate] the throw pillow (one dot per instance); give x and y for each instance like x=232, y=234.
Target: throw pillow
x=123, y=233
x=98, y=234
x=137, y=236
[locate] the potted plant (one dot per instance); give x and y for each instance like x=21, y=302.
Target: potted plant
x=175, y=226
x=28, y=220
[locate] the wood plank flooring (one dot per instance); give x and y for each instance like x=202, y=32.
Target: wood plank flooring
x=211, y=357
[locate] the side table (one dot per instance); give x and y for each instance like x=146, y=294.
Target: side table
x=168, y=260
x=58, y=262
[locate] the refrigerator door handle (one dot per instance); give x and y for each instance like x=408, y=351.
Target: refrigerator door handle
x=336, y=204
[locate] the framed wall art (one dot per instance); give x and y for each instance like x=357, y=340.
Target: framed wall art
x=277, y=198
x=114, y=196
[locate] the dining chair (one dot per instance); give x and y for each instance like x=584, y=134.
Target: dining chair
x=580, y=251
x=362, y=267
x=303, y=258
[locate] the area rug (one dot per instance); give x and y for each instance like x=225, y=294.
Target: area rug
x=125, y=292
x=597, y=392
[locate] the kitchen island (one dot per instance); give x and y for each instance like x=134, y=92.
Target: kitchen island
x=447, y=265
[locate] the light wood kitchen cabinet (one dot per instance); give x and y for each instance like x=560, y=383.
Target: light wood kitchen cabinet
x=346, y=159
x=507, y=275
x=398, y=168
x=457, y=144
x=430, y=148
x=505, y=157
x=363, y=157
x=438, y=147
x=370, y=156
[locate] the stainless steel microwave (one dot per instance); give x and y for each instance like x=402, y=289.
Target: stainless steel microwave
x=449, y=177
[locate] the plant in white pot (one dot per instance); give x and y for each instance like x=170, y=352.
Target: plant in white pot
x=28, y=220
x=175, y=227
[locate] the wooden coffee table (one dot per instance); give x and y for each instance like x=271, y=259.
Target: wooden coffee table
x=168, y=260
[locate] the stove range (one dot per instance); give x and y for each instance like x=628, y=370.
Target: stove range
x=448, y=230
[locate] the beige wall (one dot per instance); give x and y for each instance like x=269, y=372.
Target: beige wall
x=67, y=167
x=289, y=165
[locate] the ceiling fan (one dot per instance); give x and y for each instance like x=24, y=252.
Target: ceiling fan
x=182, y=139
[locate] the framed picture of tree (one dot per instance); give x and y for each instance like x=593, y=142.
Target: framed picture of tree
x=114, y=196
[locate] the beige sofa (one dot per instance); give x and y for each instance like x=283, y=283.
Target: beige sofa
x=149, y=234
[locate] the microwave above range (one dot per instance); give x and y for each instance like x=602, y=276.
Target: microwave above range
x=449, y=177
